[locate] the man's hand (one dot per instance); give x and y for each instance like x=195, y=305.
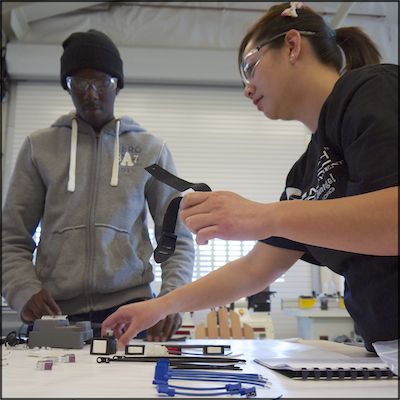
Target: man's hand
x=41, y=303
x=164, y=329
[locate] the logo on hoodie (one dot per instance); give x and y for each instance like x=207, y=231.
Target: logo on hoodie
x=128, y=157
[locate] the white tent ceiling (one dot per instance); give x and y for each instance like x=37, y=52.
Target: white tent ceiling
x=17, y=17
x=151, y=30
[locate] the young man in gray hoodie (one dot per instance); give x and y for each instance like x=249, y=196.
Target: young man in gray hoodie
x=83, y=180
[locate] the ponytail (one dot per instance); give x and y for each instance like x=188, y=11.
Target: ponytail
x=359, y=49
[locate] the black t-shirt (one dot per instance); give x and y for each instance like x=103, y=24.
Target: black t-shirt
x=353, y=151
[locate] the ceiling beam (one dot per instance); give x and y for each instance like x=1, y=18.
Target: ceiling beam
x=23, y=15
x=341, y=14
x=18, y=23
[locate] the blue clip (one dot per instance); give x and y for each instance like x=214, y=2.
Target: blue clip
x=161, y=372
x=248, y=392
x=166, y=390
x=233, y=387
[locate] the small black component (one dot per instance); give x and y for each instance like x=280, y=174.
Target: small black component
x=104, y=345
x=134, y=349
x=165, y=248
x=260, y=301
x=12, y=339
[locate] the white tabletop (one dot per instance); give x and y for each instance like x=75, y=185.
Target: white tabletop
x=87, y=378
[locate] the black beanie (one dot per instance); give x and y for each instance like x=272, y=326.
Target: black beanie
x=91, y=49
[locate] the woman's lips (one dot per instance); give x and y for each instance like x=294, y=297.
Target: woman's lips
x=257, y=101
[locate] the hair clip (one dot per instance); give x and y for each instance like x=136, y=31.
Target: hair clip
x=291, y=11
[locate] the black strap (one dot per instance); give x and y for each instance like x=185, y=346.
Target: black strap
x=166, y=244
x=179, y=184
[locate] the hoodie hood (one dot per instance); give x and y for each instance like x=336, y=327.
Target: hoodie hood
x=115, y=127
x=127, y=124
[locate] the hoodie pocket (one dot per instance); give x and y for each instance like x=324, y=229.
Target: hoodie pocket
x=61, y=262
x=118, y=262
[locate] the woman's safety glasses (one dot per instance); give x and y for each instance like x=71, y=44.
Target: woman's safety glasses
x=254, y=57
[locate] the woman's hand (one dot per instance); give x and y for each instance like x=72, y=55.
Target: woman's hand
x=225, y=215
x=131, y=319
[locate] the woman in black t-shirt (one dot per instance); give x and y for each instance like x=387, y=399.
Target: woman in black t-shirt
x=295, y=67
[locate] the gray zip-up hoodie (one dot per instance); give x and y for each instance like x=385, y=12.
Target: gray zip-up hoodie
x=90, y=196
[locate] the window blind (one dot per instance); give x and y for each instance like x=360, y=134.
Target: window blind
x=214, y=133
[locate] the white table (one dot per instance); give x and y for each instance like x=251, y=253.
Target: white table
x=87, y=378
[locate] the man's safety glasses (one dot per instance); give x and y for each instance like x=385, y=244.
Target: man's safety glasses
x=79, y=84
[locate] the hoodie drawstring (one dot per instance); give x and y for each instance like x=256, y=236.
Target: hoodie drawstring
x=115, y=168
x=73, y=151
x=72, y=160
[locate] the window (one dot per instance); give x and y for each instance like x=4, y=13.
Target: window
x=215, y=135
x=211, y=256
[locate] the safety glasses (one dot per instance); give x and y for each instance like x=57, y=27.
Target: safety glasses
x=79, y=84
x=254, y=57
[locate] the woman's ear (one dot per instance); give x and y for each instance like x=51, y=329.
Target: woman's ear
x=293, y=44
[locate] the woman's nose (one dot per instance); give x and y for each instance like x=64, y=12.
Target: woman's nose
x=249, y=91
